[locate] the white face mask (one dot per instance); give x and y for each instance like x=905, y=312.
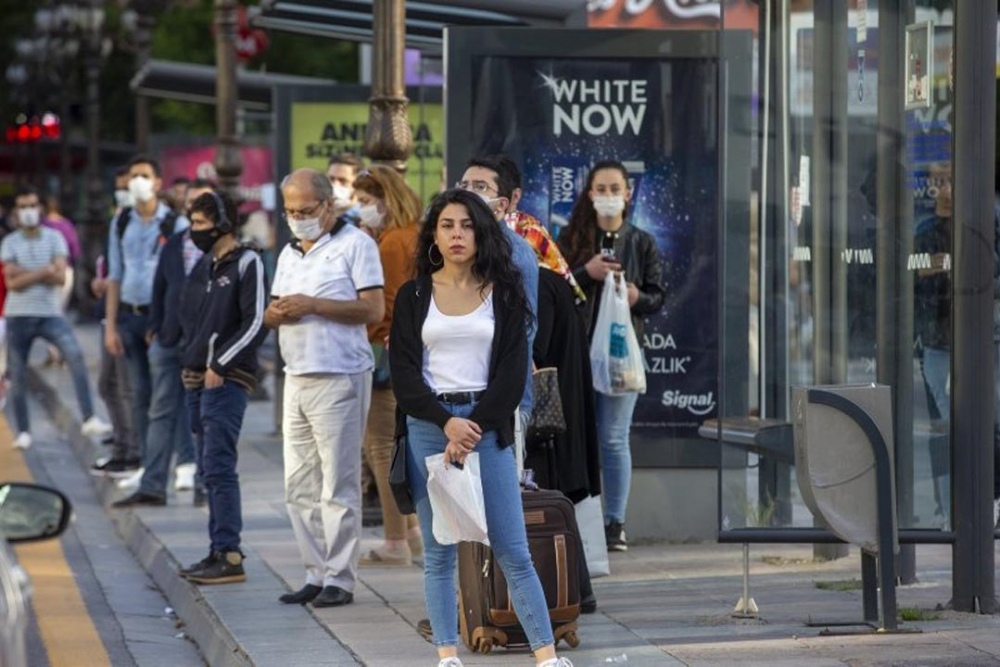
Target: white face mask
x=342, y=195
x=609, y=206
x=141, y=188
x=306, y=230
x=29, y=217
x=124, y=199
x=491, y=202
x=371, y=217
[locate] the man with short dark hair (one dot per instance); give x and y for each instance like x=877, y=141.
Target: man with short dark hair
x=135, y=241
x=34, y=269
x=342, y=170
x=177, y=194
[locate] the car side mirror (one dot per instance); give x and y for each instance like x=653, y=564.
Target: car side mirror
x=31, y=512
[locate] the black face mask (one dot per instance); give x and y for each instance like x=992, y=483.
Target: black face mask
x=204, y=239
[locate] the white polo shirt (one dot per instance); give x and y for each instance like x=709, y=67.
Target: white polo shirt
x=338, y=267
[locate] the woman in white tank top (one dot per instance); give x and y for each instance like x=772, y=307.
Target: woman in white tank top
x=458, y=355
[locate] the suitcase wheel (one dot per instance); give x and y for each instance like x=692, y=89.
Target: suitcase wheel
x=485, y=646
x=571, y=639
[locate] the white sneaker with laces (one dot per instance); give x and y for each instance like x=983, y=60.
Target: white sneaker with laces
x=450, y=662
x=23, y=440
x=557, y=662
x=131, y=483
x=95, y=427
x=184, y=477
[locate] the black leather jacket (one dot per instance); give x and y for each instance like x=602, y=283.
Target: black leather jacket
x=641, y=262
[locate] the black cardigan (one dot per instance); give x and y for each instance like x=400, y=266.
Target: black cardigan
x=508, y=364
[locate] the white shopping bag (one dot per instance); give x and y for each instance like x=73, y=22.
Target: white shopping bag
x=590, y=521
x=615, y=356
x=456, y=500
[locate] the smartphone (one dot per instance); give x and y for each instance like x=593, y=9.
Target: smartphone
x=608, y=247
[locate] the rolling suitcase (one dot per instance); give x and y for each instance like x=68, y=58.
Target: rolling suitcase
x=486, y=614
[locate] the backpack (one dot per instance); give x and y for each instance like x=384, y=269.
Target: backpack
x=167, y=227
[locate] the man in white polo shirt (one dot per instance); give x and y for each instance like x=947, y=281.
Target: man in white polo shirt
x=327, y=287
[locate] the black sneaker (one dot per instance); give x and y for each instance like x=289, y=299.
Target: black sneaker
x=115, y=468
x=227, y=569
x=210, y=559
x=140, y=499
x=614, y=534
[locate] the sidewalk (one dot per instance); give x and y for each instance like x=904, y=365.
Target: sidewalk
x=665, y=604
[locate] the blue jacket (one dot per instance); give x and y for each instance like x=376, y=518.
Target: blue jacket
x=168, y=283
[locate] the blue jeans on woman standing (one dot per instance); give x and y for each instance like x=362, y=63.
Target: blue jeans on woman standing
x=614, y=424
x=216, y=421
x=169, y=424
x=21, y=333
x=505, y=524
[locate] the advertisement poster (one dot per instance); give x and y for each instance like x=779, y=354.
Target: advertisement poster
x=199, y=162
x=320, y=130
x=672, y=14
x=652, y=116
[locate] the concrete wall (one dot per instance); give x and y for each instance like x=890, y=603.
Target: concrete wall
x=677, y=504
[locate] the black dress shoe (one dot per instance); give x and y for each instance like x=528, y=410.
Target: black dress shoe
x=308, y=593
x=333, y=596
x=588, y=605
x=140, y=499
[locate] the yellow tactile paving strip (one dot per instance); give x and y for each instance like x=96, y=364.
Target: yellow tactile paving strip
x=66, y=628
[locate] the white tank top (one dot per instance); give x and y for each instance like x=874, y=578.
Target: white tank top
x=457, y=348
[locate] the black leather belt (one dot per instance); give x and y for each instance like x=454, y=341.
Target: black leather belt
x=461, y=397
x=134, y=309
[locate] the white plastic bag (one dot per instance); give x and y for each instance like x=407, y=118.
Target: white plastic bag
x=456, y=500
x=615, y=356
x=590, y=521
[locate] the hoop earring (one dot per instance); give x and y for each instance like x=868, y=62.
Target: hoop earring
x=430, y=255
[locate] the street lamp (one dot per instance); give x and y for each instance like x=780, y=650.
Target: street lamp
x=388, y=139
x=228, y=162
x=139, y=20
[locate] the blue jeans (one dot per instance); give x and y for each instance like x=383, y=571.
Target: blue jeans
x=505, y=522
x=216, y=418
x=614, y=423
x=21, y=333
x=169, y=425
x=132, y=330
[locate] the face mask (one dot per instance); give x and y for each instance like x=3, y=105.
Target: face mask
x=124, y=199
x=29, y=217
x=204, y=239
x=491, y=202
x=371, y=217
x=342, y=195
x=305, y=230
x=609, y=206
x=141, y=188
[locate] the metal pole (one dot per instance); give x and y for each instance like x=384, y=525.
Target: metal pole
x=95, y=204
x=972, y=383
x=829, y=212
x=228, y=164
x=143, y=39
x=894, y=283
x=388, y=139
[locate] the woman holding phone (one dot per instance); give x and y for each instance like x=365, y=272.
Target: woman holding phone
x=600, y=240
x=458, y=356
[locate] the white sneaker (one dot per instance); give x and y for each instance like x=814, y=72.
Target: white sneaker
x=23, y=440
x=132, y=482
x=95, y=427
x=996, y=512
x=184, y=476
x=557, y=662
x=450, y=662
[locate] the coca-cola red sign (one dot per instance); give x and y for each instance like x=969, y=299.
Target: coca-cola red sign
x=691, y=14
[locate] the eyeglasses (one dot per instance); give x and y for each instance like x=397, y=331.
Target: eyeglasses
x=479, y=187
x=303, y=214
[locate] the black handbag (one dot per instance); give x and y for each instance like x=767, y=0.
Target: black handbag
x=547, y=418
x=398, y=480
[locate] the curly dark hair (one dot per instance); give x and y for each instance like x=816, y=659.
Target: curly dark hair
x=208, y=205
x=579, y=241
x=493, y=265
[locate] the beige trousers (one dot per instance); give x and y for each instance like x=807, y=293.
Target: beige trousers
x=323, y=425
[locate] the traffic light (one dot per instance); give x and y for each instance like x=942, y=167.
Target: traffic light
x=34, y=129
